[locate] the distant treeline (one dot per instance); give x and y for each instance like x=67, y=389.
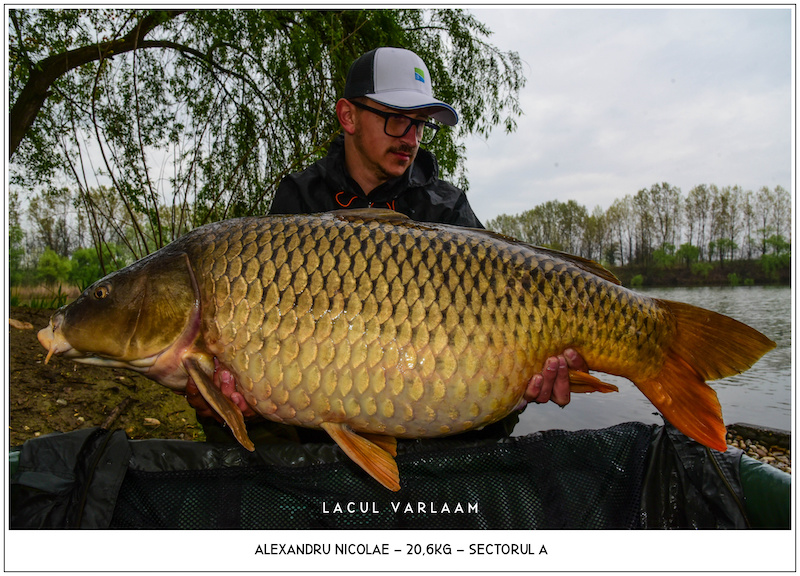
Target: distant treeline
x=713, y=235
x=661, y=228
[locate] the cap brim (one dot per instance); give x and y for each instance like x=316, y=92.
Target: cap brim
x=407, y=100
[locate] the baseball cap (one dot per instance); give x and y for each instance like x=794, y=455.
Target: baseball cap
x=396, y=78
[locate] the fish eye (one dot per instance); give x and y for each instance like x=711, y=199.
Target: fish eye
x=100, y=292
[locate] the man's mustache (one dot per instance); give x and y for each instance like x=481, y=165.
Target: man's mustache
x=403, y=149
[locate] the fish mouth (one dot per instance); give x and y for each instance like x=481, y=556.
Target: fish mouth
x=52, y=338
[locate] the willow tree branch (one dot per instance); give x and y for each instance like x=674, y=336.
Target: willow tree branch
x=45, y=72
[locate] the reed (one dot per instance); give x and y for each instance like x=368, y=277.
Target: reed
x=42, y=296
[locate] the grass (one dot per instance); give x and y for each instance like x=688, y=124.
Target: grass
x=42, y=296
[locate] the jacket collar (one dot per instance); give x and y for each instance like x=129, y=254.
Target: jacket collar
x=424, y=171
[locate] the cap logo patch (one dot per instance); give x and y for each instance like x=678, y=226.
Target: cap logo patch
x=419, y=75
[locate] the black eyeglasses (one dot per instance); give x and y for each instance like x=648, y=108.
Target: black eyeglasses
x=398, y=125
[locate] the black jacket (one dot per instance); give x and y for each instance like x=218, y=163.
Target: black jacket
x=418, y=193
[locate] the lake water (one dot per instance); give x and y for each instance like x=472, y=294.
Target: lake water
x=760, y=396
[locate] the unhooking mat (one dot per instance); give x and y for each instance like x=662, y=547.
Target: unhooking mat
x=624, y=477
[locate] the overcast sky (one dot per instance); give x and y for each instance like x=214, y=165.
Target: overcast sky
x=619, y=99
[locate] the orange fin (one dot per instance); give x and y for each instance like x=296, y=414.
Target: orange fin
x=376, y=461
x=716, y=345
x=388, y=443
x=198, y=368
x=585, y=382
x=684, y=399
x=707, y=346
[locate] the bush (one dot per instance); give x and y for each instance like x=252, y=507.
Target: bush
x=637, y=280
x=733, y=279
x=85, y=267
x=52, y=268
x=773, y=263
x=688, y=254
x=702, y=269
x=665, y=257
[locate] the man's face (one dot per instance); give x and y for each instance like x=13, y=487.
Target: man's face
x=385, y=156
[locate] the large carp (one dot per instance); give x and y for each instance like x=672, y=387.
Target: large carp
x=375, y=327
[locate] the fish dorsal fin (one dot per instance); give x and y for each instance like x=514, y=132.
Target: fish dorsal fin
x=392, y=217
x=202, y=373
x=585, y=382
x=376, y=461
x=361, y=214
x=585, y=264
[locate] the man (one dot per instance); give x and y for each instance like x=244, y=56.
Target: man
x=377, y=162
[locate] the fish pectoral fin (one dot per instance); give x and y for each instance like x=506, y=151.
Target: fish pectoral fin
x=374, y=459
x=198, y=368
x=585, y=382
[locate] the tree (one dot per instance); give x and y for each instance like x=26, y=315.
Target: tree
x=748, y=222
x=570, y=223
x=15, y=237
x=52, y=268
x=505, y=224
x=665, y=202
x=688, y=254
x=782, y=212
x=622, y=226
x=196, y=115
x=765, y=201
x=645, y=225
x=85, y=268
x=665, y=256
x=697, y=213
x=596, y=236
x=724, y=221
x=779, y=256
x=55, y=222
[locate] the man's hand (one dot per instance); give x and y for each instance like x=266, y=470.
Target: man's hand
x=224, y=380
x=553, y=382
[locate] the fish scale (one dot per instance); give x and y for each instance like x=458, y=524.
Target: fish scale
x=373, y=327
x=392, y=309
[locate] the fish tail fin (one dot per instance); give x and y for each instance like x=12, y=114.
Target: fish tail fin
x=707, y=346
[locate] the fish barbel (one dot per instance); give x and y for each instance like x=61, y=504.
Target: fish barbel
x=374, y=327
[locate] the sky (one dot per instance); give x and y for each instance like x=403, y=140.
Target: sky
x=619, y=99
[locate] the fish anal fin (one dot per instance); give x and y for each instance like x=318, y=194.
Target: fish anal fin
x=375, y=460
x=201, y=370
x=584, y=382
